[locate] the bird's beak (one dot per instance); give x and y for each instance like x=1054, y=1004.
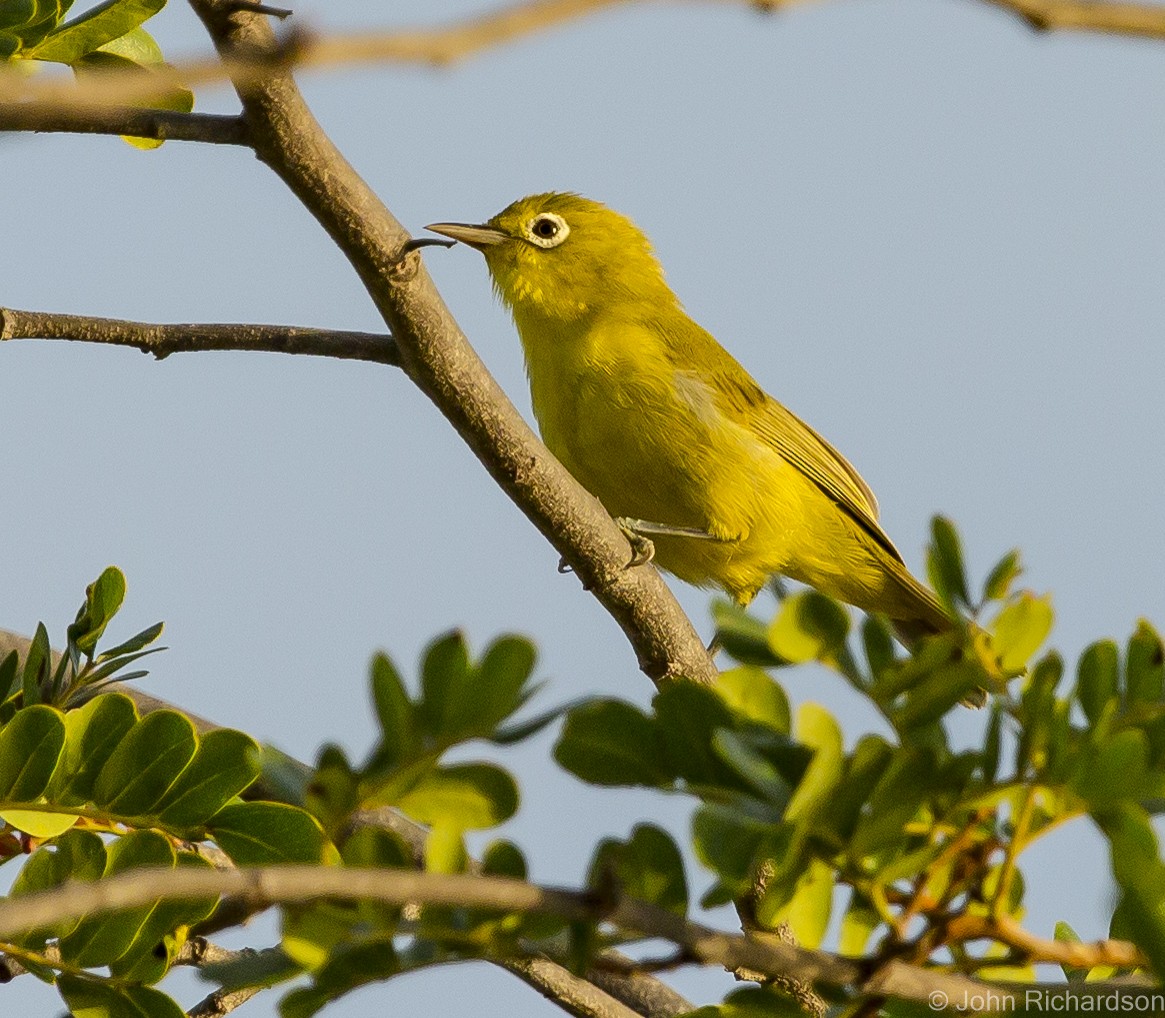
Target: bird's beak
x=478, y=236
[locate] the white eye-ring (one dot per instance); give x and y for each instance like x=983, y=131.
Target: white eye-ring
x=547, y=230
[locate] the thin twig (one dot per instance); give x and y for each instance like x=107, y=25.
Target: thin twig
x=163, y=340
x=1005, y=930
x=159, y=125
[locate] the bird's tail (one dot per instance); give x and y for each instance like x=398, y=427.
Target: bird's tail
x=921, y=613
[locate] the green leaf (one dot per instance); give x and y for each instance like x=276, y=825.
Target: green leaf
x=1066, y=935
x=462, y=797
x=145, y=764
x=838, y=818
x=857, y=926
x=1000, y=579
x=16, y=14
x=743, y=637
x=398, y=735
x=817, y=729
x=347, y=967
x=1137, y=866
x=97, y=27
x=93, y=998
x=755, y=696
x=687, y=717
x=728, y=840
x=519, y=731
x=282, y=777
x=92, y=733
x=944, y=564
x=904, y=786
x=1118, y=771
x=264, y=833
x=763, y=777
x=938, y=692
x=1144, y=666
x=134, y=643
x=991, y=745
x=164, y=96
x=9, y=679
x=445, y=851
x=377, y=847
x=1020, y=628
x=30, y=747
x=501, y=677
x=807, y=910
x=334, y=792
x=77, y=856
x=104, y=596
x=610, y=742
x=151, y=952
x=224, y=765
x=445, y=682
x=104, y=938
x=647, y=867
x=1038, y=712
x=879, y=645
x=808, y=627
x=37, y=665
x=1097, y=677
x=503, y=859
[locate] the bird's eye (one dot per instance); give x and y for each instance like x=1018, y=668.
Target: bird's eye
x=547, y=230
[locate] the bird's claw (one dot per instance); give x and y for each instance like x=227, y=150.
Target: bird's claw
x=642, y=547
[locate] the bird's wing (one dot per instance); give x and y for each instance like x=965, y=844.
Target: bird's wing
x=695, y=350
x=802, y=447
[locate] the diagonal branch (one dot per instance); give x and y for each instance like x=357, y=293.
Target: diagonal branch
x=158, y=125
x=163, y=340
x=438, y=358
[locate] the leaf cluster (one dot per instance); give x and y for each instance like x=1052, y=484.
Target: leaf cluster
x=922, y=836
x=107, y=37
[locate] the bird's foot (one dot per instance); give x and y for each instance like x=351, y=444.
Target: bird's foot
x=642, y=547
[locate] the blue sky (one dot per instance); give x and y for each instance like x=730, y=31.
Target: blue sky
x=935, y=235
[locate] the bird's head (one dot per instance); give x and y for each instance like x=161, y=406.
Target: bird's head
x=564, y=257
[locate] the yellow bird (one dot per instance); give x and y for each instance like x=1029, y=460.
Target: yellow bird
x=653, y=416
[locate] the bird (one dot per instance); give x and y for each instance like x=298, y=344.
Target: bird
x=712, y=478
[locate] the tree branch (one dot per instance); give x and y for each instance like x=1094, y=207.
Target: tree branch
x=436, y=355
x=440, y=47
x=265, y=887
x=289, y=885
x=197, y=952
x=1143, y=20
x=163, y=340
x=159, y=125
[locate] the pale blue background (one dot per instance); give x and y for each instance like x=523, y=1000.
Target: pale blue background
x=935, y=234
